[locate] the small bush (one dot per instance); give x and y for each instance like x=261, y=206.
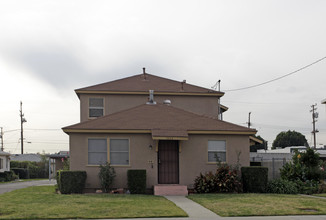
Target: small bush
x=8, y=176
x=254, y=179
x=225, y=179
x=307, y=187
x=71, y=181
x=282, y=186
x=106, y=175
x=136, y=181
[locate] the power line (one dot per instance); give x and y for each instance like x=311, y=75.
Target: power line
x=278, y=78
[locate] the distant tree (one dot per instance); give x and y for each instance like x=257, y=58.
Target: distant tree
x=257, y=146
x=289, y=138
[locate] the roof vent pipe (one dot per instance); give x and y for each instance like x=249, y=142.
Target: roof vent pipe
x=151, y=98
x=182, y=83
x=144, y=73
x=167, y=102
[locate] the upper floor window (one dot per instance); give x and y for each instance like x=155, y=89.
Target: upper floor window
x=216, y=151
x=96, y=107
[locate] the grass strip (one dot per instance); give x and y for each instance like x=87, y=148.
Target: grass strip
x=260, y=204
x=41, y=202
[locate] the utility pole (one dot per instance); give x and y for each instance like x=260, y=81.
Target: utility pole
x=314, y=120
x=249, y=120
x=22, y=120
x=1, y=136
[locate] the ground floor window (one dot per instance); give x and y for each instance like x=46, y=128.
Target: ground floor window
x=119, y=151
x=216, y=151
x=1, y=163
x=97, y=151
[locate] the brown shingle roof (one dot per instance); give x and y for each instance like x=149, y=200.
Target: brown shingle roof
x=157, y=117
x=143, y=83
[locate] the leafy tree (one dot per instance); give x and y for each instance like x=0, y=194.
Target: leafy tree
x=257, y=146
x=289, y=138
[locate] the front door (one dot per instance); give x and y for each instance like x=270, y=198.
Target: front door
x=168, y=162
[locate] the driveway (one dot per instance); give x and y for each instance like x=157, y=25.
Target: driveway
x=8, y=187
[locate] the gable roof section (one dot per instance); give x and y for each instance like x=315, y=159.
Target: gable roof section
x=159, y=120
x=142, y=83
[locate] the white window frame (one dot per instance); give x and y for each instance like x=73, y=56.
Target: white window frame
x=216, y=151
x=106, y=152
x=109, y=158
x=95, y=107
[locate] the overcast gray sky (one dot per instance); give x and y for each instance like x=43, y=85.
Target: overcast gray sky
x=50, y=48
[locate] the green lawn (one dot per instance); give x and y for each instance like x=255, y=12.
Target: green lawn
x=260, y=204
x=41, y=202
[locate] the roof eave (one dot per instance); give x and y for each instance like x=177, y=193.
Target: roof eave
x=102, y=92
x=148, y=131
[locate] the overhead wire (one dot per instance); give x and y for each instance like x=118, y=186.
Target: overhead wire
x=278, y=78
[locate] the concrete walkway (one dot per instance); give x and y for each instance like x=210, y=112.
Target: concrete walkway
x=8, y=187
x=193, y=209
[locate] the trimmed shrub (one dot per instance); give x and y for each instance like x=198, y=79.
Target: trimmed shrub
x=22, y=173
x=137, y=181
x=106, y=175
x=254, y=179
x=71, y=181
x=282, y=186
x=225, y=179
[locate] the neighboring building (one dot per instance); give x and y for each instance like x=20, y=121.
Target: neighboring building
x=4, y=161
x=173, y=132
x=56, y=162
x=26, y=157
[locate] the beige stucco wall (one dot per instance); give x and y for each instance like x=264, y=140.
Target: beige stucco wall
x=140, y=154
x=192, y=158
x=203, y=105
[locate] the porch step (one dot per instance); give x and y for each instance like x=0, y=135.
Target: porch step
x=170, y=190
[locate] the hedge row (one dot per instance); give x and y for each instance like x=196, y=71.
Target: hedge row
x=34, y=169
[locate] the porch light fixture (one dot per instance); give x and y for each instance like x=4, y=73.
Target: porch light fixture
x=150, y=147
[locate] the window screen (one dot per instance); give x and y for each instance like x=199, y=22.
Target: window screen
x=119, y=151
x=96, y=107
x=97, y=151
x=216, y=151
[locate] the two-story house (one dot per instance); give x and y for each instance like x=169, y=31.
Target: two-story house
x=169, y=128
